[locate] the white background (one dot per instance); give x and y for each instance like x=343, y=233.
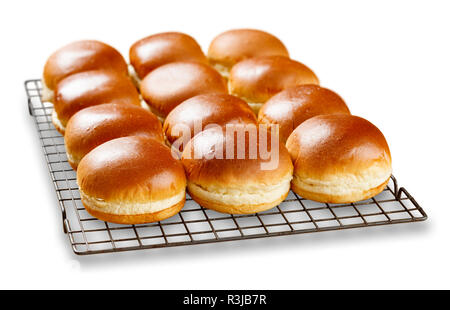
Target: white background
x=390, y=60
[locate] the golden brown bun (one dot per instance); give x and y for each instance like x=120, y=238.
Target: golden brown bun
x=81, y=56
x=89, y=88
x=339, y=158
x=203, y=110
x=130, y=178
x=167, y=86
x=294, y=105
x=228, y=173
x=96, y=125
x=232, y=46
x=257, y=79
x=159, y=49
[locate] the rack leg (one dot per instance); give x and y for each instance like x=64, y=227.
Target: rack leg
x=30, y=111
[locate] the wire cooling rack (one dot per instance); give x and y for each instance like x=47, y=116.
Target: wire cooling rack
x=194, y=224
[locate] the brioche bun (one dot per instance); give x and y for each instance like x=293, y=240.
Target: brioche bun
x=257, y=79
x=228, y=174
x=294, y=105
x=200, y=111
x=85, y=89
x=131, y=180
x=98, y=124
x=232, y=46
x=77, y=57
x=169, y=85
x=159, y=49
x=339, y=158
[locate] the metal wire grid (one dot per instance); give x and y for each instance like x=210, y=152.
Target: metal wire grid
x=194, y=224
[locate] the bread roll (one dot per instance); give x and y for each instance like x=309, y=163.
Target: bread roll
x=237, y=170
x=232, y=46
x=77, y=57
x=98, y=124
x=294, y=105
x=167, y=86
x=257, y=79
x=159, y=49
x=201, y=111
x=339, y=158
x=131, y=180
x=89, y=88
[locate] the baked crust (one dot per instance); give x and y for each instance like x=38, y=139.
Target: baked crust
x=215, y=108
x=98, y=124
x=128, y=170
x=257, y=79
x=169, y=85
x=159, y=49
x=230, y=47
x=82, y=56
x=294, y=105
x=339, y=158
x=85, y=89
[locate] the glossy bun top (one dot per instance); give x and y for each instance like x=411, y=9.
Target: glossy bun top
x=167, y=86
x=232, y=46
x=82, y=56
x=159, y=49
x=257, y=79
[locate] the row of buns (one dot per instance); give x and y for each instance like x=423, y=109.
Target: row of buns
x=139, y=135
